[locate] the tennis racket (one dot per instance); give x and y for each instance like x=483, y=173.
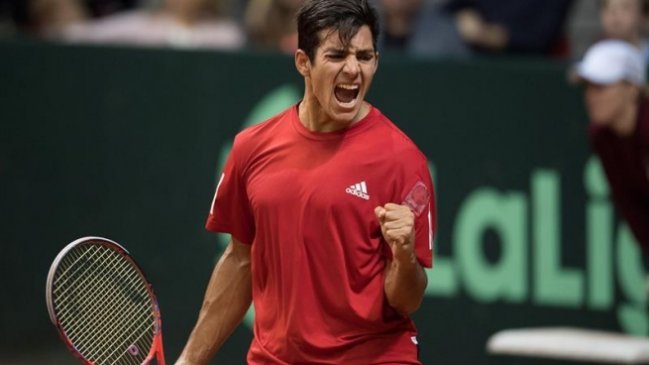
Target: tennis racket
x=103, y=306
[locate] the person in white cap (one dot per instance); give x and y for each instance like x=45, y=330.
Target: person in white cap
x=616, y=100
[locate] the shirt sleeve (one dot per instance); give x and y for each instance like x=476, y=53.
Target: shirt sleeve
x=230, y=210
x=418, y=193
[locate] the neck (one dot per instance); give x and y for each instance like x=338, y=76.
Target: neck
x=625, y=125
x=315, y=118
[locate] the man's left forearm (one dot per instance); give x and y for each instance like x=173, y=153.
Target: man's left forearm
x=405, y=283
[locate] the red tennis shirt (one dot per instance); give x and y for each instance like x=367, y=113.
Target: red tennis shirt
x=305, y=202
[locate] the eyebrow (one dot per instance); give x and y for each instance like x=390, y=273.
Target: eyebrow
x=342, y=50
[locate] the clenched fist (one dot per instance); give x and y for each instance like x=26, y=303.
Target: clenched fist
x=398, y=229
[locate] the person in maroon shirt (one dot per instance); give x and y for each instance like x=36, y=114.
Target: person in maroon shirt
x=618, y=107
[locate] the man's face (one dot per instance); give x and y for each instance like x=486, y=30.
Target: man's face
x=622, y=19
x=607, y=103
x=340, y=77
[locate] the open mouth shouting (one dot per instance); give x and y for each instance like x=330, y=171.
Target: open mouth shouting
x=347, y=94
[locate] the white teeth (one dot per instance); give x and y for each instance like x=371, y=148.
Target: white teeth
x=348, y=86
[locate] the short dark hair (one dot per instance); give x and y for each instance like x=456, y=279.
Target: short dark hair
x=344, y=16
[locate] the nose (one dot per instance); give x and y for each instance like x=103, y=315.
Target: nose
x=352, y=66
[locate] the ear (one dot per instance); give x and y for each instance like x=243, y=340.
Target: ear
x=302, y=63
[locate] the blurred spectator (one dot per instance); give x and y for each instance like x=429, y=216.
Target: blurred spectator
x=618, y=107
x=398, y=22
x=102, y=8
x=178, y=23
x=50, y=18
x=627, y=20
x=271, y=24
x=466, y=27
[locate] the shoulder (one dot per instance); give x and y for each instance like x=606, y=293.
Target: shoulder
x=262, y=133
x=267, y=127
x=398, y=142
x=598, y=135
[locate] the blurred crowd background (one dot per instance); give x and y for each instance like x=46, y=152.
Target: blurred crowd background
x=560, y=29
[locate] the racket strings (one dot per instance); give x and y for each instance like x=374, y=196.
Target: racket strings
x=139, y=326
x=88, y=304
x=103, y=304
x=78, y=285
x=71, y=267
x=109, y=329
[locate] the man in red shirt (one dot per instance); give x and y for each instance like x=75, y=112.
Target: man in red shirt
x=619, y=131
x=331, y=212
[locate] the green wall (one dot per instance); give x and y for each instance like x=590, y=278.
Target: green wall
x=126, y=143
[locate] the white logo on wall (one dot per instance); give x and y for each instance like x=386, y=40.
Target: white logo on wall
x=359, y=190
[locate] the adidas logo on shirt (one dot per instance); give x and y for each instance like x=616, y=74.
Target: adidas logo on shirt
x=359, y=190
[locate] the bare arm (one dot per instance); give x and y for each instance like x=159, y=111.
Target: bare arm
x=228, y=296
x=476, y=31
x=405, y=279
